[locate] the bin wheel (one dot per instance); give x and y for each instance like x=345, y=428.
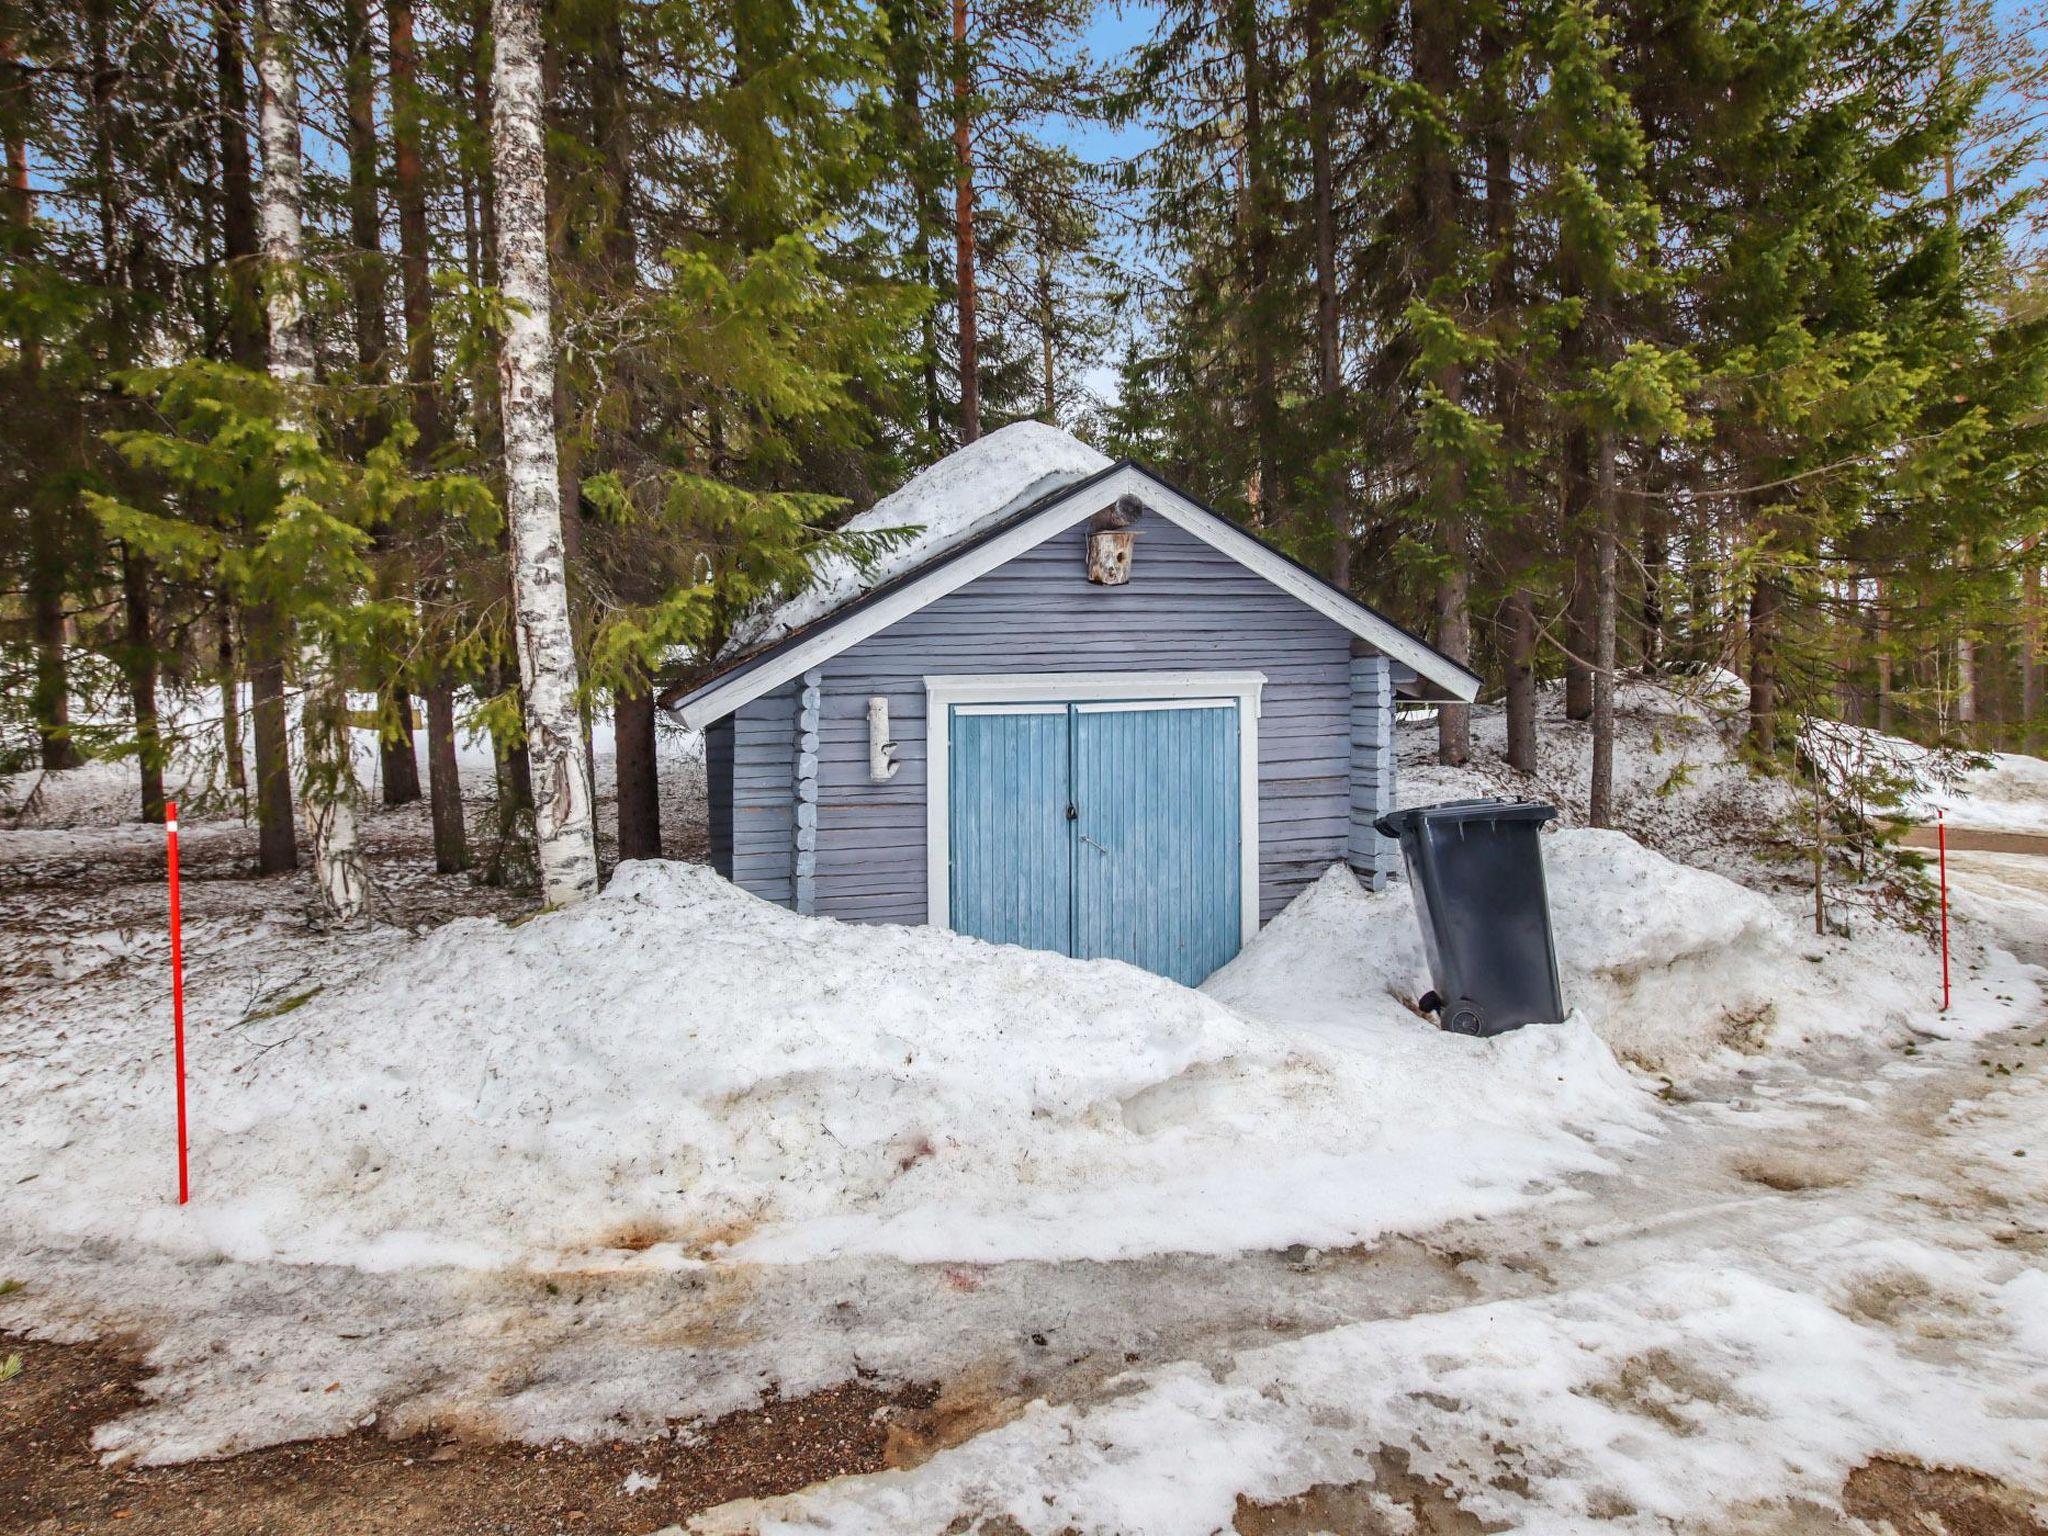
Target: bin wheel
x=1465, y=1017
x=1429, y=1002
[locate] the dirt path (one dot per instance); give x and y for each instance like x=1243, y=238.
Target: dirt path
x=1979, y=840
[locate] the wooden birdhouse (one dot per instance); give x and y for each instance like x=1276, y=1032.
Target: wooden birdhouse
x=1112, y=541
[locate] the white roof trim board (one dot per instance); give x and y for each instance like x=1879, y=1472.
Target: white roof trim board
x=722, y=695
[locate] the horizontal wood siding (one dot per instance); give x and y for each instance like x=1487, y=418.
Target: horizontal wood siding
x=764, y=794
x=1186, y=608
x=718, y=792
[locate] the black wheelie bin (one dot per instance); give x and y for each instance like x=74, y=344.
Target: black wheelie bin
x=1477, y=870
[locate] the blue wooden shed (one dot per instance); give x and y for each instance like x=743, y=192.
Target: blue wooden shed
x=1077, y=711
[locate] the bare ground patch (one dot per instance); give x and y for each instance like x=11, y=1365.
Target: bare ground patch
x=1912, y=1498
x=368, y=1485
x=1394, y=1501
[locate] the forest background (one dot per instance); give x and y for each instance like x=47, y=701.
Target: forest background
x=458, y=366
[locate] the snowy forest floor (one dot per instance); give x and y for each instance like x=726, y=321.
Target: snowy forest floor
x=1813, y=1297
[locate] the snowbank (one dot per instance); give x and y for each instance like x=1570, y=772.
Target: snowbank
x=946, y=504
x=2011, y=795
x=677, y=1071
x=1668, y=965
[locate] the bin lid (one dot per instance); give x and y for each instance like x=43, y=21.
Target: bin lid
x=1447, y=812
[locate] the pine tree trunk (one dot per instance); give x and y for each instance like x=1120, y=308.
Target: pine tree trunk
x=1884, y=662
x=1045, y=336
x=50, y=703
x=1329, y=334
x=416, y=300
x=451, y=837
x=1600, y=796
x=138, y=651
x=1435, y=45
x=246, y=344
x=398, y=762
x=963, y=227
x=330, y=785
x=547, y=655
x=1579, y=626
x=50, y=699
x=366, y=227
x=138, y=665
x=906, y=75
x=2031, y=666
x=1521, y=689
x=409, y=193
x=1764, y=607
x=277, y=844
x=1454, y=639
x=1258, y=247
x=231, y=707
x=397, y=747
x=1656, y=565
x=639, y=791
x=1966, y=688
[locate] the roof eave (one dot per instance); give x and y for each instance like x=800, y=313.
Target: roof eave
x=716, y=696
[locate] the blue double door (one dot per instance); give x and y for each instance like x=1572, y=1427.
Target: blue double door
x=1100, y=830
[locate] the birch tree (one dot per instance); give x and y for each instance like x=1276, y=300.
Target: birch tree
x=329, y=790
x=533, y=499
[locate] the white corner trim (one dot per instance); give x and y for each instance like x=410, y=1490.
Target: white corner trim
x=722, y=697
x=1018, y=692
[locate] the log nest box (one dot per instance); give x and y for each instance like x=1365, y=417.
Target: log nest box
x=1112, y=541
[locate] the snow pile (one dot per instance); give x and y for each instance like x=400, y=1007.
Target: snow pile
x=1673, y=963
x=1667, y=964
x=2010, y=795
x=677, y=1070
x=1988, y=791
x=946, y=504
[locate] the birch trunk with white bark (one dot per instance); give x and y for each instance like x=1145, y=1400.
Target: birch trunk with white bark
x=533, y=499
x=329, y=791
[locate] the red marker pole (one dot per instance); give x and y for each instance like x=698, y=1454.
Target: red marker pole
x=1941, y=842
x=178, y=996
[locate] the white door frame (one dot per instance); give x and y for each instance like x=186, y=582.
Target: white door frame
x=941, y=693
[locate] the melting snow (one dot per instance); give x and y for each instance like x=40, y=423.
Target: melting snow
x=946, y=504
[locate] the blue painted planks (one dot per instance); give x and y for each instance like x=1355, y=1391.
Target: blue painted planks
x=1187, y=608
x=1156, y=862
x=1012, y=855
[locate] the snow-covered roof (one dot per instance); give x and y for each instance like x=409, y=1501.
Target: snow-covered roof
x=947, y=504
x=975, y=509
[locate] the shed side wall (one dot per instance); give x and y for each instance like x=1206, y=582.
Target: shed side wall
x=718, y=792
x=764, y=794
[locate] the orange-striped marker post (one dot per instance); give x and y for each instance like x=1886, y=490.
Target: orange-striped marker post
x=178, y=997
